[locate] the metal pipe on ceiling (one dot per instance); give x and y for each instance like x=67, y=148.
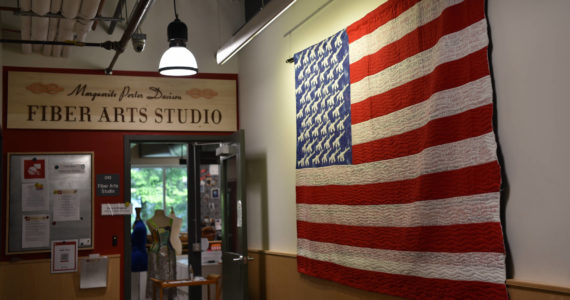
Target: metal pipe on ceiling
x=98, y=14
x=107, y=45
x=137, y=16
x=59, y=15
x=117, y=14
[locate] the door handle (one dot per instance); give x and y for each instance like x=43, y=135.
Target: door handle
x=240, y=258
x=243, y=258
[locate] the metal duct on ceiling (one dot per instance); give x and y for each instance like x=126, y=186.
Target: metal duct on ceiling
x=48, y=25
x=56, y=20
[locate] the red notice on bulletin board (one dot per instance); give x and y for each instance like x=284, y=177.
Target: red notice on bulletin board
x=34, y=169
x=63, y=256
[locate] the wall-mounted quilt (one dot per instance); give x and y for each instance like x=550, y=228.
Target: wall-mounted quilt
x=397, y=174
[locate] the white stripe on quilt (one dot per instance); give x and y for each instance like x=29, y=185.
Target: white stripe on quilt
x=441, y=104
x=452, y=156
x=470, y=209
x=395, y=29
x=449, y=48
x=472, y=266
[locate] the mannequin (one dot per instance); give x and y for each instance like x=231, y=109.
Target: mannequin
x=161, y=255
x=175, y=232
x=139, y=257
x=159, y=220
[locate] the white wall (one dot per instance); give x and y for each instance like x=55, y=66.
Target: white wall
x=267, y=113
x=531, y=42
x=531, y=66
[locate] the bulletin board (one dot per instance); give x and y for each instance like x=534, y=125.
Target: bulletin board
x=50, y=197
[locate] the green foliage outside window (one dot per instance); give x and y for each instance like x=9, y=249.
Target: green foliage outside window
x=147, y=188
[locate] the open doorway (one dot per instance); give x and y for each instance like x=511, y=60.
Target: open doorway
x=161, y=184
x=181, y=178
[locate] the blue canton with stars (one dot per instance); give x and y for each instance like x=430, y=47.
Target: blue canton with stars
x=322, y=88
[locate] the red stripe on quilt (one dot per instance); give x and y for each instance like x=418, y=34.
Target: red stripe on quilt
x=478, y=237
x=421, y=39
x=445, y=76
x=402, y=285
x=471, y=123
x=472, y=180
x=377, y=18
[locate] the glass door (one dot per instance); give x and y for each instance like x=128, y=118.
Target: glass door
x=234, y=225
x=205, y=214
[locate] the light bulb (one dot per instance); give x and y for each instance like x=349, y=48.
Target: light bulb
x=178, y=61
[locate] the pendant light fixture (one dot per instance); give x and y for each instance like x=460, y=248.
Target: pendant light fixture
x=177, y=60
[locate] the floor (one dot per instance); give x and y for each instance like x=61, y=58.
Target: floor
x=139, y=279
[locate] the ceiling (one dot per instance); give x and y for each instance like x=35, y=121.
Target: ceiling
x=49, y=26
x=57, y=20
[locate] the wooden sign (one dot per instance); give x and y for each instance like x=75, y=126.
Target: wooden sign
x=38, y=100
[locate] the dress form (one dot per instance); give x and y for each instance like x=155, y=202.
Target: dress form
x=158, y=220
x=162, y=256
x=175, y=232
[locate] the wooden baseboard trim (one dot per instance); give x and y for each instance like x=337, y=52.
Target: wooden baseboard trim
x=43, y=260
x=538, y=286
x=514, y=283
x=511, y=283
x=282, y=254
x=257, y=251
x=273, y=253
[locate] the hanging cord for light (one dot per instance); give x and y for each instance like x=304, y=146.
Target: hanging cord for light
x=177, y=60
x=175, y=13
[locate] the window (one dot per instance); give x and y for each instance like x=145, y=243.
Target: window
x=160, y=188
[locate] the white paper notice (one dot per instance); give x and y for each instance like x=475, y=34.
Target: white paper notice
x=34, y=196
x=239, y=214
x=214, y=170
x=116, y=209
x=69, y=168
x=35, y=231
x=66, y=205
x=64, y=256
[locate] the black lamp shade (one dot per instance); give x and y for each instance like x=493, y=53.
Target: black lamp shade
x=177, y=33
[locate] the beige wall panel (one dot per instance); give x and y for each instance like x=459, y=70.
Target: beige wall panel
x=282, y=281
x=518, y=293
x=254, y=275
x=31, y=279
x=524, y=290
x=274, y=276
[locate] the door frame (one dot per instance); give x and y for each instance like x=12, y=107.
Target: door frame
x=193, y=204
x=235, y=260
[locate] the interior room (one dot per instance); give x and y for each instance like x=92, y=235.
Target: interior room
x=130, y=175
